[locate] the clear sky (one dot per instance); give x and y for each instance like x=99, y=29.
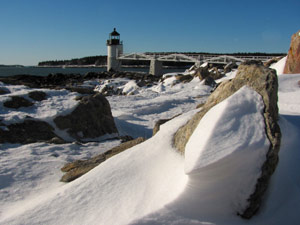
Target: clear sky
x=38, y=30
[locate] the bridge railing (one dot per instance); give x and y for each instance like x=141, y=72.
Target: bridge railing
x=197, y=57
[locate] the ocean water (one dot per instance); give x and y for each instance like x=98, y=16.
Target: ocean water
x=45, y=71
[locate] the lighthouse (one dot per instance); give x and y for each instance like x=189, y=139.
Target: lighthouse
x=114, y=50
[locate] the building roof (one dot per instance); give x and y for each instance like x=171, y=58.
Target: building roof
x=114, y=33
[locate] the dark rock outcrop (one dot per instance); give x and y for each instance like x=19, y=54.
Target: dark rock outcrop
x=79, y=167
x=264, y=81
x=29, y=131
x=82, y=90
x=292, y=64
x=17, y=102
x=37, y=95
x=4, y=91
x=91, y=119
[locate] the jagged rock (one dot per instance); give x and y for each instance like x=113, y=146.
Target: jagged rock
x=27, y=132
x=184, y=78
x=4, y=91
x=92, y=118
x=215, y=73
x=292, y=64
x=17, y=102
x=264, y=81
x=37, y=95
x=202, y=72
x=79, y=167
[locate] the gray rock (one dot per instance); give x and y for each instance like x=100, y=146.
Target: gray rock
x=92, y=118
x=27, y=132
x=202, y=73
x=37, y=95
x=17, y=102
x=264, y=81
x=4, y=91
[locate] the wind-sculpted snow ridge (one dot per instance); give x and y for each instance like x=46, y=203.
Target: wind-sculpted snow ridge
x=223, y=159
x=126, y=187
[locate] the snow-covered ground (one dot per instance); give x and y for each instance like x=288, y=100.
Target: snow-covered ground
x=151, y=183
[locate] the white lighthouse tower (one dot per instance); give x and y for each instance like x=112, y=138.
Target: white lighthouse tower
x=114, y=50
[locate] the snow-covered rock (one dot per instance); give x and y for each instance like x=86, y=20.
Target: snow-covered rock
x=264, y=81
x=90, y=120
x=230, y=141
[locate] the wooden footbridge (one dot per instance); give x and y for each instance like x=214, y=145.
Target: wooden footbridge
x=157, y=59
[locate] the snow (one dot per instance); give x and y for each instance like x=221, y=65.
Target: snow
x=57, y=102
x=130, y=88
x=239, y=119
x=151, y=183
x=279, y=66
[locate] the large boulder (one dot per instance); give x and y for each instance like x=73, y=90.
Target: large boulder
x=91, y=119
x=37, y=95
x=17, y=102
x=28, y=131
x=4, y=91
x=264, y=81
x=292, y=64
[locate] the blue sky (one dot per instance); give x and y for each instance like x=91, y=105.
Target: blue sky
x=38, y=30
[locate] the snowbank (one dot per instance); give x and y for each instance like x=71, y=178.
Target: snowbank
x=235, y=164
x=289, y=92
x=279, y=66
x=126, y=187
